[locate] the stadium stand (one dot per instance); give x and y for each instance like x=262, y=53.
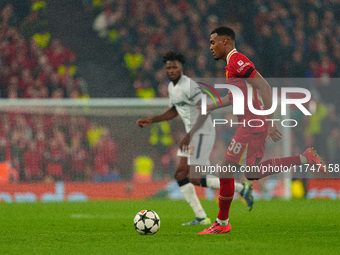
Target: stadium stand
x=35, y=65
x=288, y=39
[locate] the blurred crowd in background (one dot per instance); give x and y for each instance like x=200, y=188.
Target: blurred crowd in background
x=284, y=39
x=55, y=147
x=33, y=64
x=47, y=147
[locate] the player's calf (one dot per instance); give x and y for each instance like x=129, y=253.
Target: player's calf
x=182, y=172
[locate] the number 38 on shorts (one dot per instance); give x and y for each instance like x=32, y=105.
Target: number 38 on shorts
x=246, y=148
x=234, y=147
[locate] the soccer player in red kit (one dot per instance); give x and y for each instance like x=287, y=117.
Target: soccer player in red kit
x=248, y=145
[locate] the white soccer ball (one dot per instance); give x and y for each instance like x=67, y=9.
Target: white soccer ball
x=147, y=222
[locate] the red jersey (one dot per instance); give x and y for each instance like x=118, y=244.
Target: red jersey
x=239, y=71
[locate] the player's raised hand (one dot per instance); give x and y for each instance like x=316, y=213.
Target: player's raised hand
x=274, y=132
x=144, y=122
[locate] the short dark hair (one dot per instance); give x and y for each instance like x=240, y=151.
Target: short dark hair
x=172, y=55
x=227, y=31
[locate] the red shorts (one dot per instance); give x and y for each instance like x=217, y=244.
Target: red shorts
x=244, y=149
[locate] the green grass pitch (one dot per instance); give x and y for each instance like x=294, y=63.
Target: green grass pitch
x=273, y=227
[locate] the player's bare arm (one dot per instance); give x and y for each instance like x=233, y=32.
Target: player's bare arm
x=170, y=114
x=211, y=107
x=225, y=103
x=266, y=93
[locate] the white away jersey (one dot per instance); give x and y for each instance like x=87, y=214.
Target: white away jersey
x=184, y=96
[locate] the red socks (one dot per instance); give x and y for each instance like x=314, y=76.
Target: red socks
x=227, y=190
x=271, y=166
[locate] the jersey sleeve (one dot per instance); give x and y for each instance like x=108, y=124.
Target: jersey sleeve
x=242, y=67
x=195, y=93
x=171, y=103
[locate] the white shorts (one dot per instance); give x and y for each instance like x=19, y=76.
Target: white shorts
x=200, y=148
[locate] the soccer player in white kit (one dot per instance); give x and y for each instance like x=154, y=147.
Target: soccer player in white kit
x=196, y=146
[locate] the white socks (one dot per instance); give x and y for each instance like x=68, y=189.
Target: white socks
x=213, y=182
x=223, y=222
x=189, y=192
x=238, y=187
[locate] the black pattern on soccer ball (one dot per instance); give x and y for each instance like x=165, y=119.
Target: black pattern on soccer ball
x=146, y=222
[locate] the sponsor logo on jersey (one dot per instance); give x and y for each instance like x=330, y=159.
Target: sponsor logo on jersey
x=243, y=66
